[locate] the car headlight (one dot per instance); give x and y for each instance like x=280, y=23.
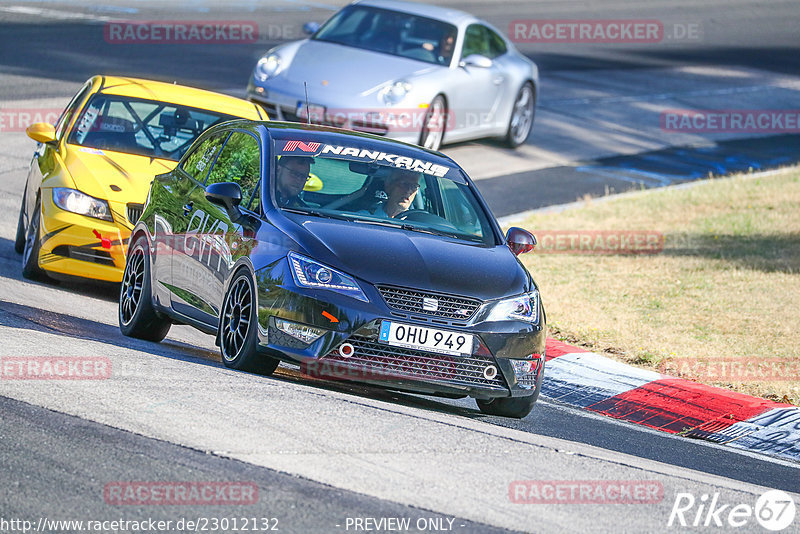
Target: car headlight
x=392, y=94
x=267, y=67
x=310, y=273
x=81, y=203
x=522, y=308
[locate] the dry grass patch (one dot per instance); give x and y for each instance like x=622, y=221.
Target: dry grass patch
x=725, y=287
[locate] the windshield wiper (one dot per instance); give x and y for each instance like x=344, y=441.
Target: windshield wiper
x=316, y=213
x=403, y=226
x=409, y=227
x=390, y=224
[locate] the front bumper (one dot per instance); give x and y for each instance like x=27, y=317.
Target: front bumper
x=392, y=122
x=77, y=245
x=488, y=371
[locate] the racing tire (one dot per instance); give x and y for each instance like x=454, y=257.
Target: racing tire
x=520, y=123
x=137, y=317
x=517, y=407
x=434, y=124
x=32, y=245
x=19, y=242
x=238, y=328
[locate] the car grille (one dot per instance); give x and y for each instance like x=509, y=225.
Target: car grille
x=447, y=306
x=385, y=362
x=134, y=212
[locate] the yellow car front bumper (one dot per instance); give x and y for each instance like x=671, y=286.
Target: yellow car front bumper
x=78, y=245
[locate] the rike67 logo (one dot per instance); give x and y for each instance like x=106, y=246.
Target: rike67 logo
x=774, y=510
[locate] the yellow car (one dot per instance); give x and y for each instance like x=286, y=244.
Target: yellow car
x=91, y=172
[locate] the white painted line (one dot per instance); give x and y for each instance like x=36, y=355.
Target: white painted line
x=53, y=13
x=552, y=104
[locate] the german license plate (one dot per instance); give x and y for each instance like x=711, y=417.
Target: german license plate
x=315, y=111
x=423, y=338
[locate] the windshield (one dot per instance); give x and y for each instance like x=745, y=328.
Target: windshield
x=381, y=194
x=391, y=32
x=141, y=127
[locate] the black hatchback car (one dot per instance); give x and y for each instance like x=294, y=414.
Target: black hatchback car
x=355, y=257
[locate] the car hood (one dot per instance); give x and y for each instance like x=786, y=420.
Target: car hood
x=113, y=176
x=381, y=255
x=331, y=69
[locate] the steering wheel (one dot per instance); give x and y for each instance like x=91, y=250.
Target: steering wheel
x=426, y=217
x=407, y=215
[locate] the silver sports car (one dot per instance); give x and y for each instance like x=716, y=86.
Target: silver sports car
x=413, y=72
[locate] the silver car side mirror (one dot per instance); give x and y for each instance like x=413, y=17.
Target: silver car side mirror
x=476, y=60
x=310, y=28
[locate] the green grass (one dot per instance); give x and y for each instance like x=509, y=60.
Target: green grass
x=726, y=285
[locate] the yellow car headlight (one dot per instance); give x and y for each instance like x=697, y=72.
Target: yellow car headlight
x=77, y=202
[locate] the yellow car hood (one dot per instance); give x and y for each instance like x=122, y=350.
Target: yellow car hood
x=113, y=176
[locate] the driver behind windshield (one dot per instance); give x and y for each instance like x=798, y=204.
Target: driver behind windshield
x=401, y=188
x=291, y=176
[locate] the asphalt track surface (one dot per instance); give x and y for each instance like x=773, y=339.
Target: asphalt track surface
x=322, y=452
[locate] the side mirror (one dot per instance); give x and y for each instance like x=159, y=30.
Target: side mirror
x=476, y=60
x=310, y=28
x=520, y=241
x=228, y=195
x=42, y=132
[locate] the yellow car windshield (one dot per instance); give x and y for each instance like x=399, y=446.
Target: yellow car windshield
x=142, y=127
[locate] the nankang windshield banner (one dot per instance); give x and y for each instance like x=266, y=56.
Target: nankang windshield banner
x=311, y=149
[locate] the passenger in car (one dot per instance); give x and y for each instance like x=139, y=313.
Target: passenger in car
x=401, y=188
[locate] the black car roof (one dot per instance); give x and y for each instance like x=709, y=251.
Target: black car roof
x=340, y=136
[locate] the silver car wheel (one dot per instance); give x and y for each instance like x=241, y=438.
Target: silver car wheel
x=521, y=116
x=433, y=129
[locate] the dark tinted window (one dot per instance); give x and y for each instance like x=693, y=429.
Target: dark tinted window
x=391, y=32
x=198, y=163
x=479, y=39
x=240, y=162
x=497, y=46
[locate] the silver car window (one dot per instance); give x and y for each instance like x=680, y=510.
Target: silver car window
x=391, y=32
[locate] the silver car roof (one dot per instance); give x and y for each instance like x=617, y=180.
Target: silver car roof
x=445, y=14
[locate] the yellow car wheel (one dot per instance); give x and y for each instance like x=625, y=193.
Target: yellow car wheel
x=30, y=251
x=19, y=242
